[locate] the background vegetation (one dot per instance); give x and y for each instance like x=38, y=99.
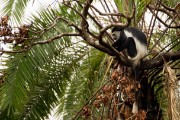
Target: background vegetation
x=61, y=59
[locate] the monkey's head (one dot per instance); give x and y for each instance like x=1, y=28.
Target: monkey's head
x=116, y=33
x=117, y=37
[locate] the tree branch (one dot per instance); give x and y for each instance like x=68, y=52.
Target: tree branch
x=159, y=60
x=40, y=42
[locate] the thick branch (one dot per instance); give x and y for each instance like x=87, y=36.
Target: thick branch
x=86, y=36
x=85, y=13
x=156, y=62
x=120, y=58
x=159, y=60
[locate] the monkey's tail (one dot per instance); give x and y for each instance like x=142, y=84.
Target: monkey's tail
x=136, y=69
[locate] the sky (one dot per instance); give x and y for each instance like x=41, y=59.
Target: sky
x=35, y=5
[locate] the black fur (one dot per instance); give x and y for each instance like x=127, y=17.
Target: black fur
x=125, y=42
x=138, y=34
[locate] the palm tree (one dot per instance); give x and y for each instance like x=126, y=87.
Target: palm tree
x=62, y=59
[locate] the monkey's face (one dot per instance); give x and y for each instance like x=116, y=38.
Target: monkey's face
x=117, y=40
x=116, y=35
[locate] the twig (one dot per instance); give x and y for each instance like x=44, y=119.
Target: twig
x=54, y=38
x=163, y=33
x=41, y=42
x=110, y=14
x=157, y=6
x=177, y=26
x=77, y=13
x=104, y=9
x=90, y=100
x=168, y=8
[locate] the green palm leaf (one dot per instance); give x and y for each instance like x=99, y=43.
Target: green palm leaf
x=14, y=8
x=24, y=86
x=86, y=80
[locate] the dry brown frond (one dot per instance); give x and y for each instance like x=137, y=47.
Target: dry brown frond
x=171, y=86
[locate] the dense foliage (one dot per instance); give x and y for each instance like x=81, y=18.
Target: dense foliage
x=61, y=59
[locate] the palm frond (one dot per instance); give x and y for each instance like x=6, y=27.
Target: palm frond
x=15, y=9
x=141, y=8
x=50, y=85
x=85, y=81
x=171, y=86
x=25, y=70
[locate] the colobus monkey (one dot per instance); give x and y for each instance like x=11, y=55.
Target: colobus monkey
x=135, y=42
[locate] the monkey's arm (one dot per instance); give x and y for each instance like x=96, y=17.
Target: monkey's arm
x=120, y=45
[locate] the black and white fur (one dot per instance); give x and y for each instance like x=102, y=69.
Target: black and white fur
x=131, y=39
x=135, y=42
